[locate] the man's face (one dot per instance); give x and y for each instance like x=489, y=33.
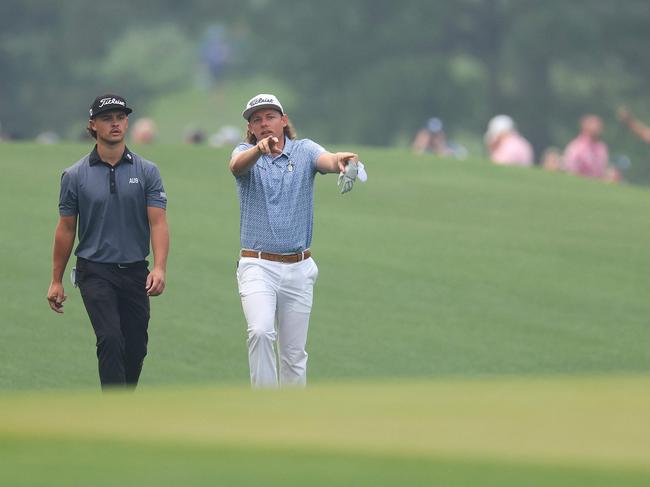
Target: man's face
x=267, y=122
x=110, y=126
x=592, y=125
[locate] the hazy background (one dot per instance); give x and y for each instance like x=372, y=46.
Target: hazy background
x=360, y=71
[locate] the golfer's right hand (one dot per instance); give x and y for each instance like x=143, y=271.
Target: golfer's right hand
x=269, y=146
x=56, y=296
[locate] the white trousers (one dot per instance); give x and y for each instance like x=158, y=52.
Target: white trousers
x=277, y=299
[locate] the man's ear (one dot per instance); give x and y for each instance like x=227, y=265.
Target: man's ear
x=285, y=120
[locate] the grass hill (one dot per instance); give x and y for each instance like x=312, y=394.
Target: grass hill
x=432, y=268
x=446, y=290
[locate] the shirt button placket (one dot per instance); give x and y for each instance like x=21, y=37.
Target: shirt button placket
x=112, y=181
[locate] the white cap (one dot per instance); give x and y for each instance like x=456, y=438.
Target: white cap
x=263, y=100
x=500, y=124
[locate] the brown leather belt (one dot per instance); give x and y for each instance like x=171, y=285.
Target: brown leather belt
x=284, y=258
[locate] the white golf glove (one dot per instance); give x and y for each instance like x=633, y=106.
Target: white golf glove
x=353, y=170
x=347, y=177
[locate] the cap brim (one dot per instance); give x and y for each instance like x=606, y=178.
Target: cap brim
x=126, y=110
x=248, y=112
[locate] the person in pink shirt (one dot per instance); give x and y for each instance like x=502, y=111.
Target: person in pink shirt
x=505, y=145
x=587, y=155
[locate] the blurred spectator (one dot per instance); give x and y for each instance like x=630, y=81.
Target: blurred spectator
x=144, y=131
x=637, y=127
x=194, y=136
x=551, y=159
x=505, y=145
x=432, y=138
x=215, y=51
x=48, y=137
x=7, y=136
x=227, y=135
x=84, y=136
x=587, y=155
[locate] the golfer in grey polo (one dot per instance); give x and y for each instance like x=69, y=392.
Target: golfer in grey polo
x=118, y=200
x=275, y=175
x=113, y=228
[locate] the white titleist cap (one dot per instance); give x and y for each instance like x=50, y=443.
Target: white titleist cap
x=497, y=126
x=263, y=100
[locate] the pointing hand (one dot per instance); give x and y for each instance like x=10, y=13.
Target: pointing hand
x=269, y=146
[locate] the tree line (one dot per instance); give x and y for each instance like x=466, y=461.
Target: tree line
x=363, y=71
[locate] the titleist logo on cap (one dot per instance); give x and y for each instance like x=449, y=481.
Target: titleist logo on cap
x=111, y=101
x=257, y=101
x=108, y=102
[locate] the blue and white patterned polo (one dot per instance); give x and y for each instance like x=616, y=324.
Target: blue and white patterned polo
x=276, y=198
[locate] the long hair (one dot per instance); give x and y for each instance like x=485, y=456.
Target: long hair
x=289, y=132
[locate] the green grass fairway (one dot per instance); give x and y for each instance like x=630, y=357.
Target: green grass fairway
x=507, y=432
x=432, y=268
x=473, y=325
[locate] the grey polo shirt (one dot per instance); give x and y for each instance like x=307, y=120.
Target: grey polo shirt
x=111, y=203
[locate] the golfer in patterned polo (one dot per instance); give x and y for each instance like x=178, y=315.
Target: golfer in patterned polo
x=276, y=272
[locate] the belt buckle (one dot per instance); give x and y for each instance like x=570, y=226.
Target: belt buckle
x=121, y=266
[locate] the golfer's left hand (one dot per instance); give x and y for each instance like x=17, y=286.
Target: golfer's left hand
x=342, y=159
x=155, y=282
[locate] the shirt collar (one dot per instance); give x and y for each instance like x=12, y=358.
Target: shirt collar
x=279, y=160
x=288, y=146
x=94, y=158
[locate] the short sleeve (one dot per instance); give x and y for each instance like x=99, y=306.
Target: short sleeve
x=68, y=200
x=154, y=190
x=241, y=148
x=313, y=152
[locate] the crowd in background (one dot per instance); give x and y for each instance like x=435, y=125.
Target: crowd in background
x=587, y=155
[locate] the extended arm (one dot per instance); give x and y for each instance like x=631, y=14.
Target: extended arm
x=244, y=160
x=640, y=129
x=63, y=242
x=329, y=162
x=160, y=246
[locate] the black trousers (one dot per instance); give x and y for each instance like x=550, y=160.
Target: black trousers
x=118, y=306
